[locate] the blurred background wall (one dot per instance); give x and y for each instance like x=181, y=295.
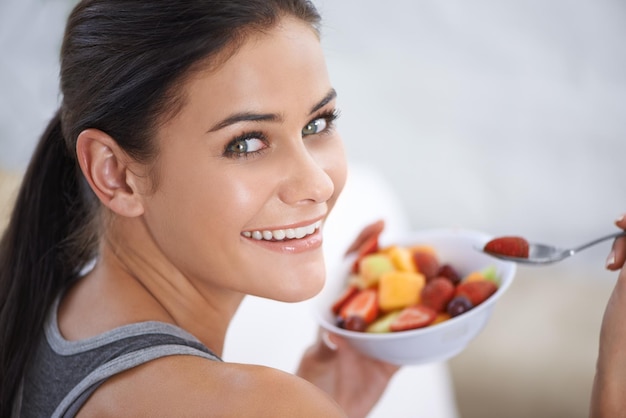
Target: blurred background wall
x=507, y=117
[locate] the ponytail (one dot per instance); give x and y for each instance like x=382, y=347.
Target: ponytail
x=40, y=252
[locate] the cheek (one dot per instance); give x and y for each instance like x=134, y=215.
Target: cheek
x=197, y=210
x=222, y=201
x=333, y=161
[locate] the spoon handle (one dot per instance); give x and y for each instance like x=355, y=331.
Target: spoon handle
x=598, y=240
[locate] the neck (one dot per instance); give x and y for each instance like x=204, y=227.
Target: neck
x=132, y=265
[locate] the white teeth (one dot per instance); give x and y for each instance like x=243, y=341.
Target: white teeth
x=281, y=234
x=300, y=233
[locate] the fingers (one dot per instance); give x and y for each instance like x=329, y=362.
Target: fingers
x=372, y=229
x=332, y=344
x=617, y=256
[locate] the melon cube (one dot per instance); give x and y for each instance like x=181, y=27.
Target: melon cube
x=399, y=289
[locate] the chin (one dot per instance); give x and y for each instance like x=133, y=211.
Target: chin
x=301, y=288
x=291, y=278
x=300, y=294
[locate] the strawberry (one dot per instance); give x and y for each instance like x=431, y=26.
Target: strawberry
x=364, y=305
x=437, y=293
x=477, y=291
x=426, y=263
x=414, y=316
x=344, y=298
x=510, y=246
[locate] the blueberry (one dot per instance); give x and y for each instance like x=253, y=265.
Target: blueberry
x=459, y=305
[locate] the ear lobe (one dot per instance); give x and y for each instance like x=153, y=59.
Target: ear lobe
x=106, y=167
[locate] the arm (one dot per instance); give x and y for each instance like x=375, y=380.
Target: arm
x=609, y=386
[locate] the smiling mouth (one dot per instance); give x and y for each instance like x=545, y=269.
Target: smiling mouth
x=283, y=234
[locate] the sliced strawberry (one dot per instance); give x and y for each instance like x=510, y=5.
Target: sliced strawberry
x=412, y=317
x=477, y=291
x=437, y=293
x=364, y=304
x=369, y=246
x=510, y=246
x=344, y=298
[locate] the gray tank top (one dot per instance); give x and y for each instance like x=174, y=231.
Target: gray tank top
x=63, y=374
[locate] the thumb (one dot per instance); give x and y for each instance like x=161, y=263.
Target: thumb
x=327, y=345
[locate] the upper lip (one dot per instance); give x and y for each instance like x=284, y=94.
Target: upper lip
x=288, y=226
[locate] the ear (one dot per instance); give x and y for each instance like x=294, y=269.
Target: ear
x=106, y=167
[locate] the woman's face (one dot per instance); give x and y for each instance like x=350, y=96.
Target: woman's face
x=250, y=168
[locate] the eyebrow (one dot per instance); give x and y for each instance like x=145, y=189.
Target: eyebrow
x=267, y=117
x=330, y=96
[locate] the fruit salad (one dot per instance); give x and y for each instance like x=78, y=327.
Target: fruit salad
x=400, y=288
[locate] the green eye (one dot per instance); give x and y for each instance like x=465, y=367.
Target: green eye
x=239, y=147
x=314, y=127
x=245, y=145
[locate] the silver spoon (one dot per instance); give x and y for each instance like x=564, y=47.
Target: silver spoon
x=546, y=254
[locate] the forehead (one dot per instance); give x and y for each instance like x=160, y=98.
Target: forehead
x=281, y=66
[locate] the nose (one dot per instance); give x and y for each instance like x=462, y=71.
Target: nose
x=306, y=179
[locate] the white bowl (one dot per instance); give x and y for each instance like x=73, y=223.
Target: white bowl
x=437, y=342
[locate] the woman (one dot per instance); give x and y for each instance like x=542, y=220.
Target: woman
x=193, y=161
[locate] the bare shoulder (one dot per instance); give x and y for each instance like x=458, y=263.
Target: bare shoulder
x=194, y=386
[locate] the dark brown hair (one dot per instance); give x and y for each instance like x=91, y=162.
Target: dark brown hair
x=121, y=64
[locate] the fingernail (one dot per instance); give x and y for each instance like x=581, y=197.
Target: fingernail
x=620, y=219
x=329, y=343
x=610, y=260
